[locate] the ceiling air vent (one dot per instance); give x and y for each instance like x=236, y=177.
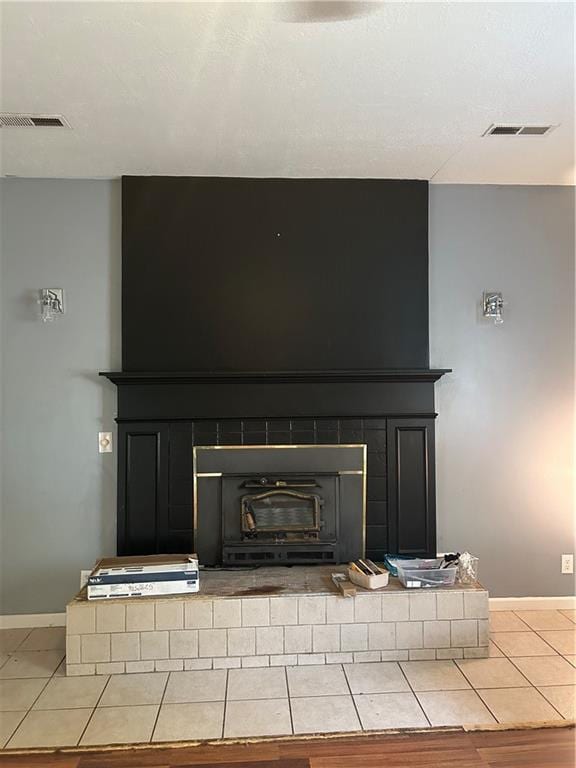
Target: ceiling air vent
x=23, y=120
x=518, y=130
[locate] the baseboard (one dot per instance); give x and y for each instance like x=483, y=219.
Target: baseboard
x=25, y=620
x=533, y=603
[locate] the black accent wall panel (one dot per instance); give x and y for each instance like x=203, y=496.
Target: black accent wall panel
x=142, y=488
x=411, y=486
x=274, y=274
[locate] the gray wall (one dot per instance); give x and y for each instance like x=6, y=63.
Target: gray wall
x=58, y=499
x=505, y=451
x=504, y=431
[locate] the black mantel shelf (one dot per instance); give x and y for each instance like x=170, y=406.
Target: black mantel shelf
x=280, y=377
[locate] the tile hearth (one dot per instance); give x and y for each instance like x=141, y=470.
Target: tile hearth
x=41, y=707
x=278, y=616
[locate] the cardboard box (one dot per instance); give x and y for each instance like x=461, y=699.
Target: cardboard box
x=143, y=576
x=142, y=589
x=142, y=572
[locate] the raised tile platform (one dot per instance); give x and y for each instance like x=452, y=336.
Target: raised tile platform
x=274, y=617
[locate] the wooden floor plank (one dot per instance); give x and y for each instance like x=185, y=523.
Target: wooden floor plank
x=550, y=747
x=470, y=759
x=298, y=763
x=524, y=736
x=532, y=748
x=214, y=755
x=372, y=744
x=40, y=761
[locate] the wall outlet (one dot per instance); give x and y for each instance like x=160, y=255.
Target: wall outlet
x=105, y=442
x=567, y=563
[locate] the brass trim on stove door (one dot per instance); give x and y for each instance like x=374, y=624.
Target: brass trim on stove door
x=364, y=495
x=280, y=445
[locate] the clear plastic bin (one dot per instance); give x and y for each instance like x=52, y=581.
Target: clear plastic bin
x=418, y=574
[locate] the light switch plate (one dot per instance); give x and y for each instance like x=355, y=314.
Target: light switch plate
x=105, y=442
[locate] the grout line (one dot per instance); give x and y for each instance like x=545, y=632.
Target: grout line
x=516, y=688
x=414, y=693
x=511, y=660
x=524, y=622
x=159, y=706
x=486, y=703
x=551, y=704
x=30, y=630
x=47, y=681
x=225, y=702
x=526, y=656
x=351, y=695
x=461, y=671
x=13, y=732
x=289, y=699
x=537, y=633
x=93, y=711
x=541, y=655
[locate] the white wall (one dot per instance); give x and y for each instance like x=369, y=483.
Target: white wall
x=505, y=468
x=504, y=430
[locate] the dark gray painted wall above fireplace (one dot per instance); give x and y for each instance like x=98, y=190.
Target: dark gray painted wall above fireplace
x=274, y=274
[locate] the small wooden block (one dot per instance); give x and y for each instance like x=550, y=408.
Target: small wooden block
x=345, y=586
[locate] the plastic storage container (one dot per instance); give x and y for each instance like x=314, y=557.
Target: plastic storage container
x=393, y=561
x=416, y=574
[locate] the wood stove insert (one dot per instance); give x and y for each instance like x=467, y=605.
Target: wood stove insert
x=304, y=504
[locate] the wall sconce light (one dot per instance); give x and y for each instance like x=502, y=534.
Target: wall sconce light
x=51, y=303
x=493, y=306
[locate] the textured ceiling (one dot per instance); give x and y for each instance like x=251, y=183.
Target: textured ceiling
x=400, y=90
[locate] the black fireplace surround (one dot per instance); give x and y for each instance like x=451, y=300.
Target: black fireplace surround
x=273, y=312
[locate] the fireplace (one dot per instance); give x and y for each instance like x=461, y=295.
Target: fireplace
x=287, y=312
x=279, y=504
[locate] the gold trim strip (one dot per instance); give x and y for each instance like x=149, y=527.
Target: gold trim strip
x=364, y=496
x=209, y=474
x=260, y=447
x=351, y=472
x=194, y=498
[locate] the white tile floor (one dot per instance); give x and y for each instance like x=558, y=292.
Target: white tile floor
x=529, y=677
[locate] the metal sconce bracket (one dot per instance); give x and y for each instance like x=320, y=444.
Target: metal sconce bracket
x=493, y=306
x=51, y=303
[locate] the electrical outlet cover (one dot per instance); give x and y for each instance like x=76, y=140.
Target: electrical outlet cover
x=105, y=442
